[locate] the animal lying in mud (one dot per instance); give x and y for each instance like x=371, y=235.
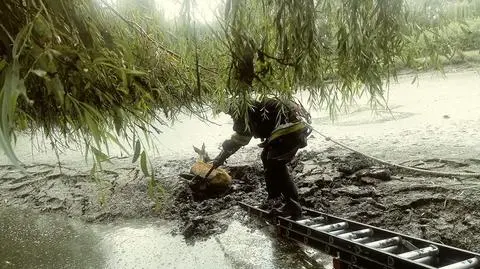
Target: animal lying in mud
x=206, y=181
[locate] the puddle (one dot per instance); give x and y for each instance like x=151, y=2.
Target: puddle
x=32, y=240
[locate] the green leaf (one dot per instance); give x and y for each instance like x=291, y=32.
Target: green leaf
x=99, y=156
x=143, y=163
x=116, y=141
x=3, y=63
x=87, y=149
x=13, y=87
x=134, y=72
x=93, y=128
x=123, y=75
x=118, y=120
x=137, y=151
x=39, y=72
x=93, y=170
x=414, y=79
x=55, y=86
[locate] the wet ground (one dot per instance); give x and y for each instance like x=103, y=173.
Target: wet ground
x=433, y=125
x=32, y=240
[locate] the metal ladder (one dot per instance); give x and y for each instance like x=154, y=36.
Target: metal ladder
x=363, y=246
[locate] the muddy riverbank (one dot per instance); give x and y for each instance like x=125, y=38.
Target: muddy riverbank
x=433, y=124
x=334, y=181
x=440, y=209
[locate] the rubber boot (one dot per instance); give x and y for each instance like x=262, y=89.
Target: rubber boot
x=291, y=209
x=271, y=203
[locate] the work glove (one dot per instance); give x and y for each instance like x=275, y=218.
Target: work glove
x=221, y=158
x=230, y=146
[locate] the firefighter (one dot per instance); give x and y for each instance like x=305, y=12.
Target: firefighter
x=282, y=132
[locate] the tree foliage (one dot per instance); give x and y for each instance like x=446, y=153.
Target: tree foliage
x=80, y=73
x=93, y=71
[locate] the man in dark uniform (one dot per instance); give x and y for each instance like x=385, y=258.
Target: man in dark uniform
x=282, y=132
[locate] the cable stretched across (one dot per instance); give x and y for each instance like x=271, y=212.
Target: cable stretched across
x=424, y=171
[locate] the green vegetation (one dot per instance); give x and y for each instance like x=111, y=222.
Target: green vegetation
x=92, y=72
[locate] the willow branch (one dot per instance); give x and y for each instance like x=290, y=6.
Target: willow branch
x=139, y=29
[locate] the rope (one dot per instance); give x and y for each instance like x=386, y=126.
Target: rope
x=408, y=168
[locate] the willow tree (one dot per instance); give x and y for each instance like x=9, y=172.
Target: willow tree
x=80, y=72
x=91, y=71
x=335, y=50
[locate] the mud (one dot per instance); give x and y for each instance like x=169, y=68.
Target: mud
x=440, y=209
x=200, y=219
x=444, y=210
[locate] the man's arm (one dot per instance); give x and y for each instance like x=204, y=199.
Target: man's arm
x=230, y=146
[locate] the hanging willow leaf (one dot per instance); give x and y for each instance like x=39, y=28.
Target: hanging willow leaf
x=143, y=163
x=3, y=64
x=39, y=72
x=99, y=155
x=137, y=151
x=134, y=72
x=12, y=88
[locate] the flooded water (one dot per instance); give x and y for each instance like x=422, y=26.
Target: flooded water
x=435, y=117
x=30, y=240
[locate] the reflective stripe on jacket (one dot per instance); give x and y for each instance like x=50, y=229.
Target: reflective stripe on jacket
x=286, y=129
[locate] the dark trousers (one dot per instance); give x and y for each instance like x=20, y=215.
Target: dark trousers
x=277, y=177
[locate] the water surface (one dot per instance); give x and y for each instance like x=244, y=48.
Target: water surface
x=30, y=240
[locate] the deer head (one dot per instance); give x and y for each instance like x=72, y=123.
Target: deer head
x=202, y=154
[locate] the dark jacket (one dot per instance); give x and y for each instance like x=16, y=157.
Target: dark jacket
x=265, y=118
